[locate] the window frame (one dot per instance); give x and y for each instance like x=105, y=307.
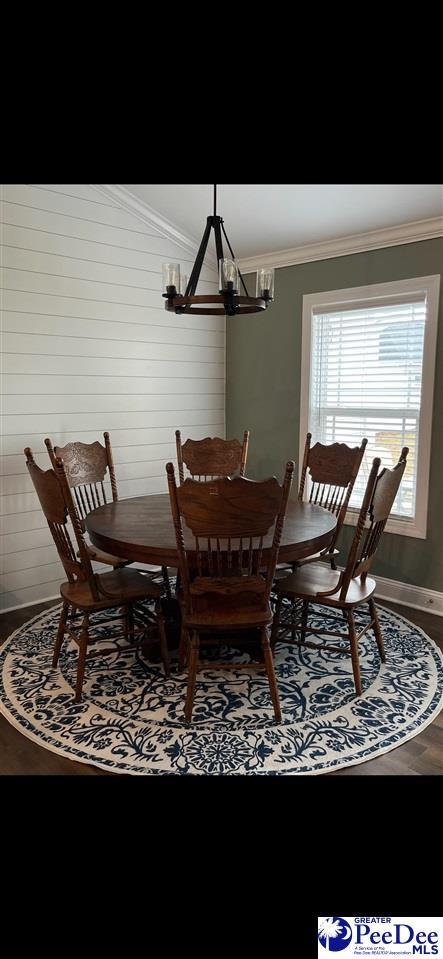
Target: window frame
x=430, y=285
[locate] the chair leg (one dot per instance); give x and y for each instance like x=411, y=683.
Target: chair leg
x=354, y=652
x=276, y=623
x=293, y=609
x=130, y=614
x=164, y=652
x=269, y=663
x=126, y=623
x=60, y=634
x=166, y=581
x=193, y=663
x=377, y=630
x=84, y=636
x=304, y=620
x=183, y=648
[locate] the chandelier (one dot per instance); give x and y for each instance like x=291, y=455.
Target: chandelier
x=180, y=295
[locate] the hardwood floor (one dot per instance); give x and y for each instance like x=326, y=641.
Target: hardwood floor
x=422, y=755
x=18, y=754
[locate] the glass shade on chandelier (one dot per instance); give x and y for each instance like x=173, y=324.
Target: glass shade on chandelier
x=265, y=283
x=180, y=292
x=228, y=281
x=171, y=278
x=174, y=281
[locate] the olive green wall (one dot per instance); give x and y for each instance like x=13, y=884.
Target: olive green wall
x=263, y=358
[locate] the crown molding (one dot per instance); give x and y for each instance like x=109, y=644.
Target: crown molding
x=346, y=245
x=151, y=218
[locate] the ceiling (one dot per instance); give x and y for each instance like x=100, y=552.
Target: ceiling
x=265, y=218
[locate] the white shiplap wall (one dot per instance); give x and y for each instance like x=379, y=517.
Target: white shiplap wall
x=86, y=347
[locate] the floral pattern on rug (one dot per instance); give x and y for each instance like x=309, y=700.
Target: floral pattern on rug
x=131, y=717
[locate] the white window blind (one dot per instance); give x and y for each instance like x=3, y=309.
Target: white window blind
x=366, y=380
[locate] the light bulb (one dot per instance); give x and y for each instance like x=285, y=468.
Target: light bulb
x=171, y=278
x=228, y=276
x=265, y=283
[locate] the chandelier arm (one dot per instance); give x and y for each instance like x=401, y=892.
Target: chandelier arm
x=233, y=257
x=243, y=282
x=196, y=269
x=218, y=239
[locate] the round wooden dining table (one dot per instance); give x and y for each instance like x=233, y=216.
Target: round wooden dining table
x=141, y=530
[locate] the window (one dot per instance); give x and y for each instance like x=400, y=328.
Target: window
x=368, y=359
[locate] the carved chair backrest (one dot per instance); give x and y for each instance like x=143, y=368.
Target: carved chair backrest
x=378, y=500
x=229, y=518
x=86, y=465
x=211, y=458
x=56, y=500
x=333, y=470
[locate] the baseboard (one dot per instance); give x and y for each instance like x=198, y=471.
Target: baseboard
x=417, y=597
x=34, y=602
x=429, y=600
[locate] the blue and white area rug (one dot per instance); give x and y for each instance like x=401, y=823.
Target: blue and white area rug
x=131, y=717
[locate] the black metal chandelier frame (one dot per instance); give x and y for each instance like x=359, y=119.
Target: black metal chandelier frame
x=226, y=301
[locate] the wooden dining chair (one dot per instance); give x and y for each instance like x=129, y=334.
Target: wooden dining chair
x=229, y=518
x=348, y=589
x=87, y=467
x=211, y=458
x=327, y=479
x=85, y=590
